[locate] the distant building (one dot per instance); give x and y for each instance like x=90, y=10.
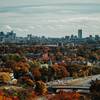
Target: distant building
x=67, y=37
x=75, y=37
x=2, y=36
x=91, y=37
x=29, y=36
x=10, y=37
x=60, y=44
x=97, y=37
x=80, y=33
x=72, y=37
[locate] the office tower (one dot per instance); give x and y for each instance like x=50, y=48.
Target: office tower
x=80, y=33
x=97, y=37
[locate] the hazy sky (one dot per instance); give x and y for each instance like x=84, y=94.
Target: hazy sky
x=54, y=18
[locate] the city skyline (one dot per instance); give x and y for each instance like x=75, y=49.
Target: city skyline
x=50, y=18
x=11, y=37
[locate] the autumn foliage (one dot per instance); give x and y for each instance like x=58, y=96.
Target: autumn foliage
x=65, y=96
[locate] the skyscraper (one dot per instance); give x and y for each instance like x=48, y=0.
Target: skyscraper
x=80, y=33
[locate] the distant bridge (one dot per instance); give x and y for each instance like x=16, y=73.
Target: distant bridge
x=74, y=84
x=71, y=87
x=75, y=88
x=84, y=81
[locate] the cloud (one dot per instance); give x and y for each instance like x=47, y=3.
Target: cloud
x=8, y=27
x=52, y=21
x=21, y=29
x=84, y=19
x=50, y=27
x=26, y=30
x=31, y=27
x=18, y=29
x=49, y=17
